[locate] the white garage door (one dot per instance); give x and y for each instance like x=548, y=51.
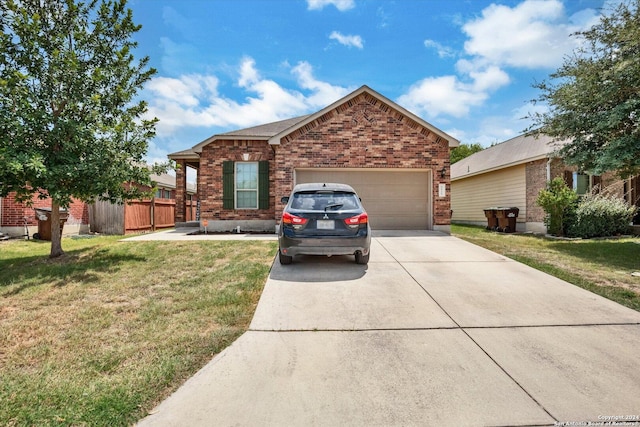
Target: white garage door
x=394, y=200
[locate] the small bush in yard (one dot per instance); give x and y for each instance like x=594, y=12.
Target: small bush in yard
x=600, y=216
x=556, y=200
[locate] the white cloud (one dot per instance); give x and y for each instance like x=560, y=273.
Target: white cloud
x=341, y=5
x=434, y=96
x=443, y=51
x=448, y=95
x=383, y=17
x=532, y=34
x=193, y=101
x=489, y=79
x=347, y=40
x=248, y=73
x=323, y=93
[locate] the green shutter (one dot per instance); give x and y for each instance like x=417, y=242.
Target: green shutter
x=228, y=186
x=263, y=185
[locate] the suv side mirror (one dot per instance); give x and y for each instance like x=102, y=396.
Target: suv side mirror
x=285, y=200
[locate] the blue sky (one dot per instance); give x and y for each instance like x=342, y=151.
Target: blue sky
x=465, y=66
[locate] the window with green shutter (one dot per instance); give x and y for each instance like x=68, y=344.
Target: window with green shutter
x=228, y=185
x=245, y=185
x=263, y=185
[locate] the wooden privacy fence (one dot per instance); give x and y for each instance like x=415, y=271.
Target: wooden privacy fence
x=135, y=216
x=149, y=215
x=191, y=210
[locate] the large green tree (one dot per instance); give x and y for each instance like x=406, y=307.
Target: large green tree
x=71, y=125
x=594, y=97
x=464, y=150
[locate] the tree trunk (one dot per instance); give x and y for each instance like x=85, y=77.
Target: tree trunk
x=56, y=233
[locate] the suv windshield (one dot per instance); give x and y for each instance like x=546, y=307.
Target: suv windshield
x=324, y=201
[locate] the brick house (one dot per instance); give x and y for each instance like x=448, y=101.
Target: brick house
x=396, y=161
x=13, y=215
x=512, y=173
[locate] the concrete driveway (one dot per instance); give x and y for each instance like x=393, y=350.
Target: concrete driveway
x=433, y=332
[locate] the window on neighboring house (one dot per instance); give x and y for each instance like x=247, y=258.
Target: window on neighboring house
x=158, y=194
x=167, y=194
x=245, y=185
x=582, y=183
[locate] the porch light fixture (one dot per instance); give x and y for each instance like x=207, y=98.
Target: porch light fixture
x=443, y=172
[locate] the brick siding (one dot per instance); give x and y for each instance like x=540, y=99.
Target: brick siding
x=210, y=178
x=364, y=133
x=536, y=176
x=13, y=213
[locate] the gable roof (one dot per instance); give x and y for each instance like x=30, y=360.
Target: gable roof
x=515, y=151
x=260, y=133
x=273, y=132
x=275, y=139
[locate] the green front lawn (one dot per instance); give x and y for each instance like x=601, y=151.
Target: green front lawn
x=102, y=335
x=602, y=266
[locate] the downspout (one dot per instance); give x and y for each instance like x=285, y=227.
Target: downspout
x=549, y=170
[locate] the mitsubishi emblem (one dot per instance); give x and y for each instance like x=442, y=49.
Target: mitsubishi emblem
x=325, y=216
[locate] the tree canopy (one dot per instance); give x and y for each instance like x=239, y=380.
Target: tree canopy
x=594, y=97
x=464, y=150
x=70, y=123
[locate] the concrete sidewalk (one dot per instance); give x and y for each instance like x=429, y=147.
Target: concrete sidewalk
x=434, y=331
x=192, y=234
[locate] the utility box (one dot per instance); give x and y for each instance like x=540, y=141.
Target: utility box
x=507, y=219
x=492, y=219
x=43, y=215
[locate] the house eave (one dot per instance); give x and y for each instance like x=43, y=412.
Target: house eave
x=183, y=156
x=500, y=167
x=198, y=148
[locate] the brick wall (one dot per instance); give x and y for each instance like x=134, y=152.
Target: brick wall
x=210, y=178
x=181, y=190
x=536, y=177
x=13, y=213
x=364, y=133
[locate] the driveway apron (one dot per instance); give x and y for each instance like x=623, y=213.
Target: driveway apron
x=434, y=331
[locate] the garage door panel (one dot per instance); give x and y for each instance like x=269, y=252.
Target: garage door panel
x=393, y=199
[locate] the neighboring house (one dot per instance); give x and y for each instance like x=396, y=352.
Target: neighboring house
x=14, y=216
x=397, y=162
x=512, y=173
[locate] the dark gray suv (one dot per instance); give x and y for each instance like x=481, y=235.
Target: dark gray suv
x=324, y=219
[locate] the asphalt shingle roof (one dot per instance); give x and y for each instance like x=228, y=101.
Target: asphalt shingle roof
x=267, y=130
x=518, y=150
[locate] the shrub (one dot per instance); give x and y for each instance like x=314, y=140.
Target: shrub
x=601, y=216
x=557, y=201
